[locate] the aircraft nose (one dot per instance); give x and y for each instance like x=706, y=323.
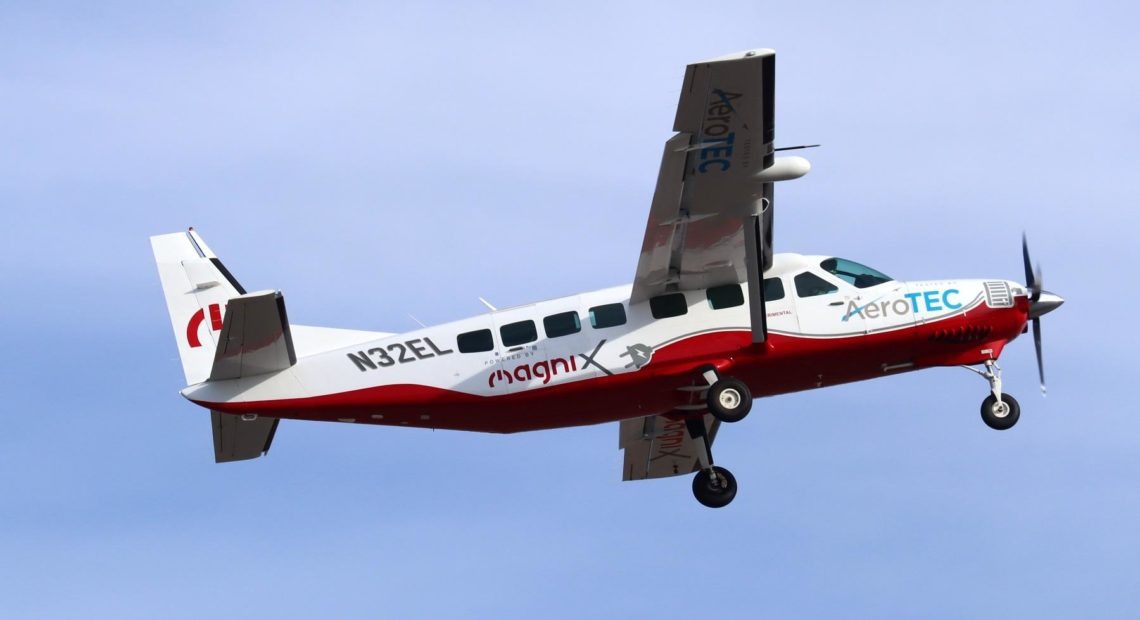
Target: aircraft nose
x=1045, y=304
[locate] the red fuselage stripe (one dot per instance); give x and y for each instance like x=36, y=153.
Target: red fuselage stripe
x=784, y=364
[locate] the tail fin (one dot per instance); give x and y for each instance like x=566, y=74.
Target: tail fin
x=197, y=287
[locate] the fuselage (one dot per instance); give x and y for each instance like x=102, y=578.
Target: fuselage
x=594, y=357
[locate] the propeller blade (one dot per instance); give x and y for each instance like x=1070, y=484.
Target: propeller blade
x=1037, y=346
x=1037, y=307
x=1025, y=260
x=1032, y=276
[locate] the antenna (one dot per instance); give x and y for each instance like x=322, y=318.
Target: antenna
x=411, y=316
x=488, y=304
x=795, y=148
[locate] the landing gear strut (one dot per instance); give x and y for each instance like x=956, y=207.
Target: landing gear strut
x=999, y=411
x=713, y=486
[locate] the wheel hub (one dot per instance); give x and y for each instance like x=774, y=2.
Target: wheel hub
x=729, y=399
x=1000, y=409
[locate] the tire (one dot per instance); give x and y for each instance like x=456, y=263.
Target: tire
x=729, y=400
x=717, y=496
x=1002, y=417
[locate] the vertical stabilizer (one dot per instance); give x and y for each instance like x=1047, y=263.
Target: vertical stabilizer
x=197, y=287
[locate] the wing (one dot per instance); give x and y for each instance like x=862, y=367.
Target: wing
x=658, y=447
x=710, y=221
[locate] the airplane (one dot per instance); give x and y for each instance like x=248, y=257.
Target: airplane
x=713, y=319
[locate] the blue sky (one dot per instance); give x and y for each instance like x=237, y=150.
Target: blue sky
x=373, y=161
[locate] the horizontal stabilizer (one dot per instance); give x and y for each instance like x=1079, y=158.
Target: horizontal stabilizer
x=255, y=337
x=237, y=438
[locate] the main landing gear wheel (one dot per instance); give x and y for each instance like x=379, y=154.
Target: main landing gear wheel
x=729, y=400
x=1002, y=415
x=714, y=492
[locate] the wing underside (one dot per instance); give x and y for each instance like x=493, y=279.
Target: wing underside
x=710, y=222
x=660, y=446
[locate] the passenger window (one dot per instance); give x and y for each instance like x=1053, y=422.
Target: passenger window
x=810, y=285
x=562, y=324
x=514, y=334
x=773, y=289
x=609, y=315
x=665, y=306
x=475, y=342
x=727, y=296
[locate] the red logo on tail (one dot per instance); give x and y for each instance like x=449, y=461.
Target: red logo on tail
x=196, y=322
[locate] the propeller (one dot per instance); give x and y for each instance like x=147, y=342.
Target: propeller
x=1041, y=302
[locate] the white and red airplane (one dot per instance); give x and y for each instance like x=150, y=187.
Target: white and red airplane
x=712, y=320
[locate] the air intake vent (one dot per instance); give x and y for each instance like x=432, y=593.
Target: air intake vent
x=960, y=335
x=998, y=294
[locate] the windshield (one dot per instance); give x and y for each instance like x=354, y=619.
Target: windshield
x=854, y=273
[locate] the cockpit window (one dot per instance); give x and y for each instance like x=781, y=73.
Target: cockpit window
x=861, y=276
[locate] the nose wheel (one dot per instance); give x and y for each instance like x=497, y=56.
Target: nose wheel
x=999, y=411
x=1000, y=414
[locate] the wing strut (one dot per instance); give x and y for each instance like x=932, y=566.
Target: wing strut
x=753, y=254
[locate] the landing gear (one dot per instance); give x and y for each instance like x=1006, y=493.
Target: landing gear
x=1000, y=415
x=713, y=486
x=729, y=399
x=999, y=411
